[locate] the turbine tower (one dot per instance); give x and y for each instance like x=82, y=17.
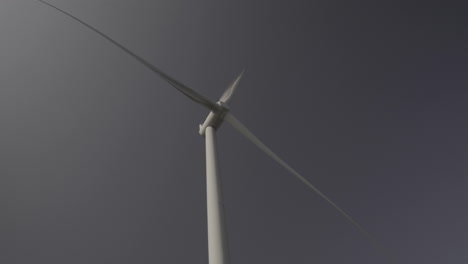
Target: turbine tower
x=218, y=252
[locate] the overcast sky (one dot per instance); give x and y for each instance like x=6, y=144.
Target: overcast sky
x=101, y=160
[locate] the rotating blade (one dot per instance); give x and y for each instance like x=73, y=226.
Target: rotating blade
x=190, y=93
x=250, y=136
x=227, y=95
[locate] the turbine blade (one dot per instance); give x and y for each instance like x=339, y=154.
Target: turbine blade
x=250, y=136
x=227, y=95
x=190, y=93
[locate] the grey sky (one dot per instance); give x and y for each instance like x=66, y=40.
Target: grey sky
x=101, y=161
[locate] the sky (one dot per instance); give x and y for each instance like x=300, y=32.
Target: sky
x=101, y=160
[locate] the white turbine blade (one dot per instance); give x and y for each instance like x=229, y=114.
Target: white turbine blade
x=190, y=93
x=250, y=136
x=227, y=95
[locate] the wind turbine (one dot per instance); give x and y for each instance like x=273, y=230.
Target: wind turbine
x=219, y=112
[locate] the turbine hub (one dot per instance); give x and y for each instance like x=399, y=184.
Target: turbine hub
x=215, y=118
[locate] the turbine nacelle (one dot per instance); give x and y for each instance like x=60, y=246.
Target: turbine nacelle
x=215, y=118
